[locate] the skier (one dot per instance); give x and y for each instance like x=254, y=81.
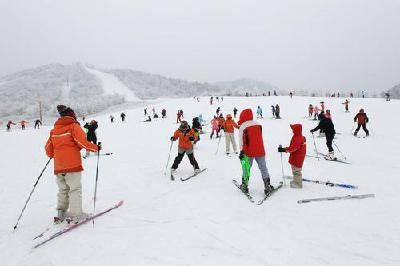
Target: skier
x=196, y=126
x=291, y=95
x=251, y=146
x=316, y=112
x=64, y=144
x=218, y=110
x=273, y=110
x=91, y=134
x=201, y=120
x=346, y=105
x=229, y=128
x=112, y=118
x=297, y=150
x=277, y=112
x=222, y=98
x=164, y=113
x=351, y=95
x=154, y=110
x=387, y=94
x=235, y=110
x=23, y=124
x=211, y=100
x=259, y=112
x=155, y=115
x=310, y=110
x=123, y=117
x=214, y=126
x=9, y=125
x=328, y=114
x=145, y=111
x=362, y=119
x=328, y=128
x=217, y=98
x=185, y=135
x=322, y=106
x=38, y=123
x=178, y=116
x=221, y=121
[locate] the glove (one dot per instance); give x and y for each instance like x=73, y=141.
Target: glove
x=241, y=155
x=172, y=138
x=99, y=146
x=281, y=149
x=191, y=138
x=312, y=130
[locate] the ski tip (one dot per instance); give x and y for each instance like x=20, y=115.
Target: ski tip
x=120, y=203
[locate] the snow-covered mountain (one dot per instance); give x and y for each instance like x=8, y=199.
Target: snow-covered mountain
x=90, y=90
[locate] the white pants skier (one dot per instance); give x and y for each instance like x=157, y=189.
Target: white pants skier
x=70, y=193
x=230, y=138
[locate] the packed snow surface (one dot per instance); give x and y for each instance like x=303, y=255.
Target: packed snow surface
x=112, y=85
x=206, y=220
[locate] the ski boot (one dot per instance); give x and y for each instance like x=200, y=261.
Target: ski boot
x=196, y=171
x=77, y=219
x=294, y=184
x=268, y=188
x=330, y=156
x=367, y=134
x=244, y=188
x=355, y=134
x=60, y=217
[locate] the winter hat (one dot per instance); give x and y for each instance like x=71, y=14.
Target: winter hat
x=65, y=111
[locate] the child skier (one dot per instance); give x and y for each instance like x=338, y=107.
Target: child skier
x=9, y=125
x=221, y=121
x=362, y=119
x=214, y=126
x=23, y=124
x=64, y=144
x=316, y=112
x=277, y=111
x=196, y=126
x=163, y=113
x=38, y=123
x=251, y=145
x=297, y=150
x=259, y=112
x=229, y=128
x=185, y=135
x=310, y=110
x=328, y=128
x=273, y=110
x=123, y=117
x=91, y=133
x=346, y=105
x=235, y=110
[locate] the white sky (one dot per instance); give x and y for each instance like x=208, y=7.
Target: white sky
x=290, y=43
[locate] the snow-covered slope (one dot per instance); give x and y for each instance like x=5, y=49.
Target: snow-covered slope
x=207, y=221
x=111, y=85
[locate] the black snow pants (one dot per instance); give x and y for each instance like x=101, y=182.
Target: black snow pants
x=364, y=126
x=329, y=140
x=181, y=153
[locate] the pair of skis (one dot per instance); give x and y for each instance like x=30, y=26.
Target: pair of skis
x=327, y=183
x=250, y=198
x=70, y=227
x=189, y=177
x=347, y=197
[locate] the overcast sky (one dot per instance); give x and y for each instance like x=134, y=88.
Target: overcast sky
x=289, y=43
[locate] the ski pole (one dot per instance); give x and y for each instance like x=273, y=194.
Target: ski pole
x=315, y=146
x=283, y=173
x=30, y=194
x=169, y=156
x=220, y=137
x=95, y=185
x=334, y=143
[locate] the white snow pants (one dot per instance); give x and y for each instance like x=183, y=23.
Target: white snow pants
x=70, y=193
x=230, y=138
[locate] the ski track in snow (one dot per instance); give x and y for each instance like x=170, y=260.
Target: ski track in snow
x=112, y=85
x=206, y=220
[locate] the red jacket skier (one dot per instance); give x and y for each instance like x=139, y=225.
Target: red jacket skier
x=297, y=150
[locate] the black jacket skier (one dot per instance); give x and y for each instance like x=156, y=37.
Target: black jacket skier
x=91, y=134
x=326, y=125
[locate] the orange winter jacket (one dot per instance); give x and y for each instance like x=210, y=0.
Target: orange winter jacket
x=64, y=144
x=230, y=125
x=184, y=141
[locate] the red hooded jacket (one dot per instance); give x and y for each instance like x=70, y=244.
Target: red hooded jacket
x=250, y=135
x=297, y=148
